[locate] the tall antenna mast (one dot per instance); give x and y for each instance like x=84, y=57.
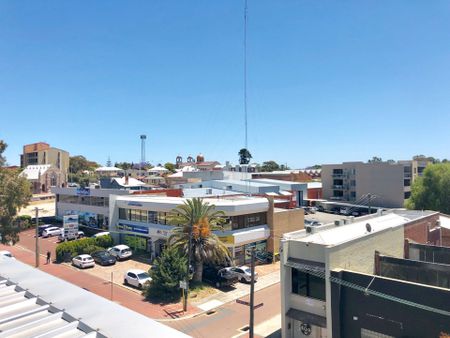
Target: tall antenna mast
x=245, y=73
x=143, y=138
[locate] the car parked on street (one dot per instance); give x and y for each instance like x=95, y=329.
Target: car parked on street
x=219, y=277
x=244, y=273
x=103, y=257
x=83, y=261
x=51, y=231
x=120, y=251
x=136, y=278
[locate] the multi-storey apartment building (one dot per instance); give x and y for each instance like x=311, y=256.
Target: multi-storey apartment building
x=42, y=154
x=389, y=184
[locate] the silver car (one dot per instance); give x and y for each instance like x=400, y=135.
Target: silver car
x=244, y=273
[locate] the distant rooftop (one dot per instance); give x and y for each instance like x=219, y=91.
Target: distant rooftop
x=108, y=169
x=32, y=172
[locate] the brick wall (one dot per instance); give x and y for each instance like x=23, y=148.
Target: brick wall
x=419, y=231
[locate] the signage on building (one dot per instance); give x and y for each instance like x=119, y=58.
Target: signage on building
x=83, y=191
x=134, y=204
x=227, y=239
x=70, y=224
x=132, y=228
x=159, y=232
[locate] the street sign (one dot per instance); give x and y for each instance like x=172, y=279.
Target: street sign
x=183, y=284
x=258, y=305
x=242, y=302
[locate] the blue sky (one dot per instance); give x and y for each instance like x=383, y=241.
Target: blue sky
x=328, y=81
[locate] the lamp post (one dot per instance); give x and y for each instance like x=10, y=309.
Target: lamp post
x=36, y=210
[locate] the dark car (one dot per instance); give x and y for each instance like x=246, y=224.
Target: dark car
x=103, y=257
x=219, y=277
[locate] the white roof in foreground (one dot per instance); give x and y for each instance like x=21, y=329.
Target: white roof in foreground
x=32, y=172
x=62, y=309
x=345, y=233
x=444, y=221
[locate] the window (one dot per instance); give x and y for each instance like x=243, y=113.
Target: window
x=123, y=213
x=307, y=285
x=162, y=218
x=152, y=217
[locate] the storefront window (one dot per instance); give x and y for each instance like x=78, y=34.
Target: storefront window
x=136, y=243
x=152, y=217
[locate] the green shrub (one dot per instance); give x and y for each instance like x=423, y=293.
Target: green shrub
x=65, y=251
x=169, y=269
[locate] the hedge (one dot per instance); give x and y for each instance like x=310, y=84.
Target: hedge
x=67, y=250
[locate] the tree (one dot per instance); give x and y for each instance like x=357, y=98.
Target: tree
x=244, y=156
x=270, y=166
x=168, y=270
x=15, y=193
x=124, y=165
x=200, y=218
x=432, y=190
x=80, y=163
x=170, y=166
x=375, y=159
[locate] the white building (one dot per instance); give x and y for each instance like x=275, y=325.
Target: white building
x=308, y=256
x=141, y=222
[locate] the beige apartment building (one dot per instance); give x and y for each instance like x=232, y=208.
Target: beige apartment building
x=41, y=153
x=388, y=183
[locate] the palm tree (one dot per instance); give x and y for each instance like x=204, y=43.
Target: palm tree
x=244, y=156
x=200, y=218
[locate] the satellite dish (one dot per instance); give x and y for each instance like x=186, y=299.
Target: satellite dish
x=308, y=230
x=368, y=227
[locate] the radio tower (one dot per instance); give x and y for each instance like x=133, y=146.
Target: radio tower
x=143, y=138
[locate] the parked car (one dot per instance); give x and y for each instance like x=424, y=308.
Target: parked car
x=41, y=228
x=51, y=231
x=120, y=251
x=244, y=273
x=219, y=277
x=83, y=261
x=136, y=278
x=6, y=253
x=99, y=234
x=103, y=257
x=67, y=236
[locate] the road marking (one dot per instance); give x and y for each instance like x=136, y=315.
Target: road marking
x=210, y=305
x=269, y=326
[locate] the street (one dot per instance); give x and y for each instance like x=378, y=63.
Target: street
x=226, y=321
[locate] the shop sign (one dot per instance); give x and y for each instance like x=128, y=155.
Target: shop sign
x=132, y=228
x=70, y=224
x=160, y=232
x=134, y=204
x=83, y=191
x=227, y=239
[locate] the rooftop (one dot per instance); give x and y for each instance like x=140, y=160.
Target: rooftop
x=32, y=172
x=36, y=304
x=345, y=233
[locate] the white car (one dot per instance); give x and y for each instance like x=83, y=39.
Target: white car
x=5, y=253
x=136, y=278
x=244, y=273
x=83, y=261
x=99, y=234
x=121, y=251
x=51, y=231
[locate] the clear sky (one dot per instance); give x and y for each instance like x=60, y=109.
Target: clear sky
x=328, y=81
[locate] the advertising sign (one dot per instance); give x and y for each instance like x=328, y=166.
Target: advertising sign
x=70, y=223
x=133, y=228
x=83, y=191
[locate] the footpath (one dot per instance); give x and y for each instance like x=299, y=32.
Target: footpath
x=268, y=275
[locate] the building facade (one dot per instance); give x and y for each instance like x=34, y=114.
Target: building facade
x=42, y=154
x=308, y=258
x=142, y=223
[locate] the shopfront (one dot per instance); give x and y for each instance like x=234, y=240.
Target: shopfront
x=135, y=236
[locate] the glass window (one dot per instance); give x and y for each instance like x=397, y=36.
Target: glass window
x=122, y=213
x=152, y=217
x=307, y=285
x=162, y=218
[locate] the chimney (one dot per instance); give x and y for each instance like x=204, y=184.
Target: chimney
x=406, y=248
x=126, y=179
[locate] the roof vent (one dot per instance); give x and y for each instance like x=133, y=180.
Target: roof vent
x=368, y=227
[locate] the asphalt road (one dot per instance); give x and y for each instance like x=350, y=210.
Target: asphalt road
x=228, y=319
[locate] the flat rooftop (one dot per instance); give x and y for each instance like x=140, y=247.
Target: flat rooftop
x=345, y=233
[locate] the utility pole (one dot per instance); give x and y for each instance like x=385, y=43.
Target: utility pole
x=36, y=210
x=252, y=294
x=186, y=291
